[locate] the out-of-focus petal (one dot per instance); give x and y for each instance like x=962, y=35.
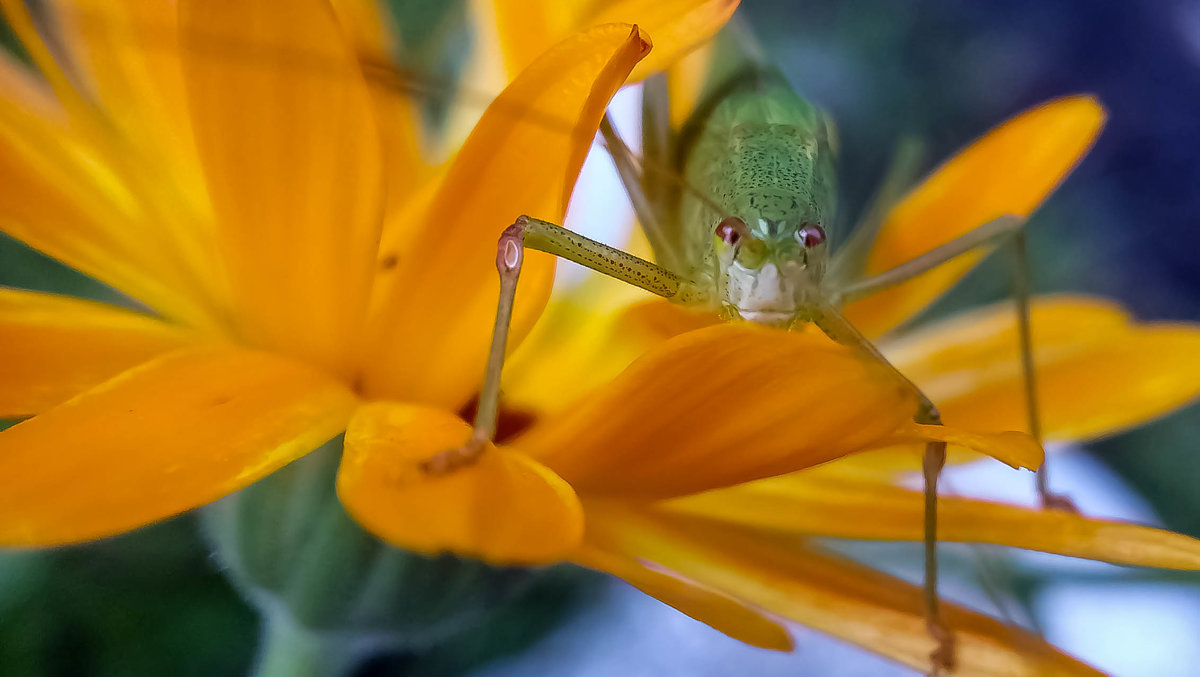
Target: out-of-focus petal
x=173, y=434
x=876, y=510
x=1122, y=380
x=706, y=605
x=128, y=54
x=676, y=26
x=370, y=30
x=505, y=508
x=433, y=323
x=686, y=80
x=61, y=198
x=367, y=25
x=679, y=419
x=25, y=91
x=1098, y=372
x=953, y=356
x=830, y=594
x=1011, y=170
x=293, y=163
x=55, y=347
x=16, y=15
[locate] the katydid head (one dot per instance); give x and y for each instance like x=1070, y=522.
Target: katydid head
x=769, y=271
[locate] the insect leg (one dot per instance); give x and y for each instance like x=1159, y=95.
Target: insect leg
x=1006, y=228
x=510, y=253
x=838, y=328
x=903, y=170
x=631, y=174
x=990, y=233
x=1021, y=277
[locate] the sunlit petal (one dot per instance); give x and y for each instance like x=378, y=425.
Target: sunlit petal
x=293, y=162
x=178, y=432
x=433, y=324
x=1011, y=170
x=706, y=605
x=822, y=506
x=657, y=430
x=505, y=508
x=831, y=594
x=61, y=199
x=676, y=26
x=55, y=347
x=1098, y=372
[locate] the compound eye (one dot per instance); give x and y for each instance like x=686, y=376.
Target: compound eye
x=731, y=230
x=810, y=235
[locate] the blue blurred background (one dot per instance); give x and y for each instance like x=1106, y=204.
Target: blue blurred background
x=1124, y=226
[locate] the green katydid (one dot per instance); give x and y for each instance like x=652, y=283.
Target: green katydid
x=741, y=224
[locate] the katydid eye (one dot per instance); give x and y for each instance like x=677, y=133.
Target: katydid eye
x=731, y=230
x=810, y=235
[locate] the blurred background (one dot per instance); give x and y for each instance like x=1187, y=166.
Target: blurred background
x=1124, y=226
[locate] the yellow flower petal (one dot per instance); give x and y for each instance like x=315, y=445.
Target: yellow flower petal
x=165, y=437
x=55, y=347
x=951, y=357
x=845, y=508
x=432, y=327
x=833, y=595
x=16, y=15
x=23, y=90
x=1011, y=170
x=1122, y=381
x=294, y=169
x=1018, y=450
x=368, y=27
x=505, y=508
x=61, y=199
x=676, y=26
x=721, y=611
x=686, y=80
x=719, y=406
x=374, y=37
x=579, y=343
x=1098, y=372
x=128, y=53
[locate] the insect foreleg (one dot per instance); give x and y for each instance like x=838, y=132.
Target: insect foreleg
x=837, y=327
x=510, y=254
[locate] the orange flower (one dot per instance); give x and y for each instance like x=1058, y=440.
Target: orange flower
x=303, y=281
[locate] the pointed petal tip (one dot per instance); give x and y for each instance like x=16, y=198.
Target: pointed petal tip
x=646, y=44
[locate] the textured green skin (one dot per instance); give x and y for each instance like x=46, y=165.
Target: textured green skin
x=762, y=154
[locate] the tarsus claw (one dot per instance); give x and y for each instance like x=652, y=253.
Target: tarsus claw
x=942, y=658
x=453, y=459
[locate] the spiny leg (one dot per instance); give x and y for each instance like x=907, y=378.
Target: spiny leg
x=837, y=327
x=553, y=239
x=1021, y=276
x=1005, y=228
